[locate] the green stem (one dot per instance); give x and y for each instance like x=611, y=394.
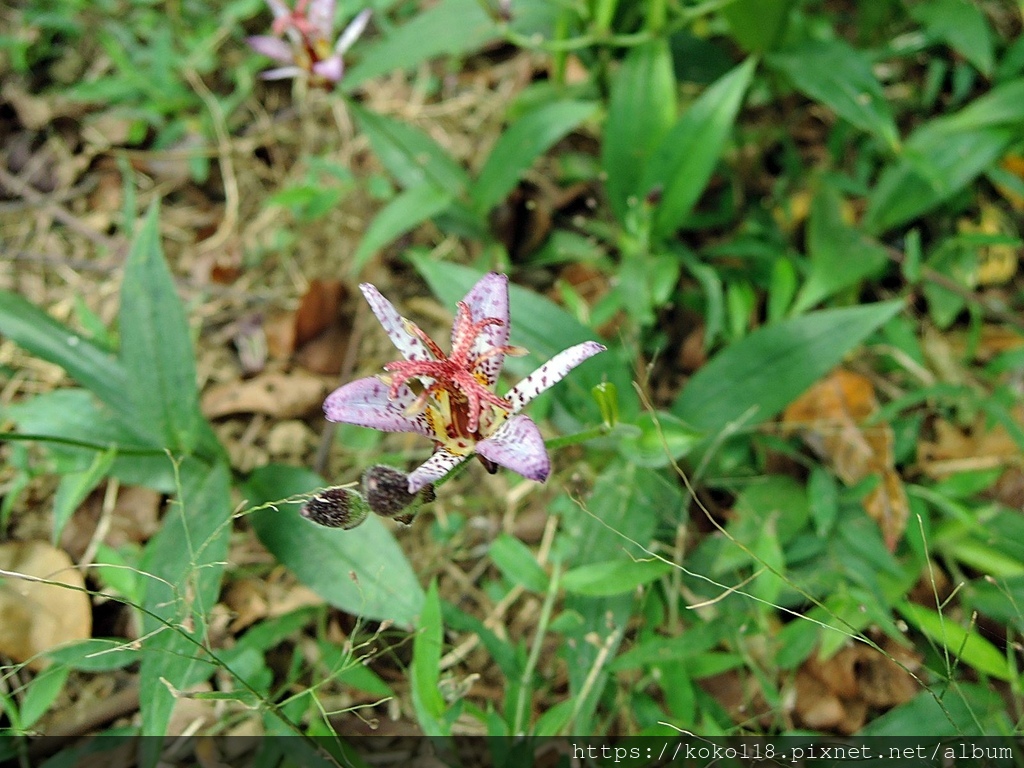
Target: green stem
x=580, y=437
x=70, y=441
x=523, y=695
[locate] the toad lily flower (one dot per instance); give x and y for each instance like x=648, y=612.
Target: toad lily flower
x=308, y=49
x=450, y=398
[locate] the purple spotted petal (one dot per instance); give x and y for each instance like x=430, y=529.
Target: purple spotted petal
x=352, y=32
x=321, y=17
x=272, y=47
x=489, y=298
x=517, y=445
x=549, y=374
x=282, y=73
x=365, y=402
x=396, y=326
x=330, y=69
x=433, y=469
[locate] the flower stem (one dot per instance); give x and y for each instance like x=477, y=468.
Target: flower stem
x=580, y=437
x=523, y=694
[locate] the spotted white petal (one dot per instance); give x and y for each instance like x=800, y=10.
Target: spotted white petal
x=489, y=298
x=433, y=469
x=330, y=69
x=549, y=374
x=365, y=402
x=321, y=17
x=282, y=73
x=396, y=326
x=272, y=47
x=518, y=445
x=352, y=32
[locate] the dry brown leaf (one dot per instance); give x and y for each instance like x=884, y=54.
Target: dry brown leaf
x=980, y=446
x=134, y=519
x=35, y=617
x=325, y=353
x=275, y=394
x=318, y=309
x=997, y=264
x=836, y=693
x=830, y=416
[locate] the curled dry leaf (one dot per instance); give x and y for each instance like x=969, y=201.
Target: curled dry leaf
x=831, y=418
x=35, y=617
x=979, y=446
x=279, y=395
x=836, y=694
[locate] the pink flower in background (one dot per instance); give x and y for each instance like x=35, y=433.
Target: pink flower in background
x=306, y=48
x=450, y=398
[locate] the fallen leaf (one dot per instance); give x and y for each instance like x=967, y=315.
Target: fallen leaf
x=324, y=353
x=836, y=694
x=134, y=519
x=279, y=395
x=318, y=309
x=830, y=417
x=35, y=617
x=979, y=446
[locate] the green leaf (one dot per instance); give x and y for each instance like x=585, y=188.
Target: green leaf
x=658, y=441
x=42, y=692
x=758, y=376
x=683, y=161
x=640, y=110
x=961, y=645
x=75, y=486
x=39, y=334
x=426, y=666
x=520, y=144
x=770, y=561
x=411, y=156
x=757, y=25
x=613, y=577
x=325, y=559
x=945, y=155
x=404, y=212
x=73, y=414
x=182, y=567
x=935, y=166
x=950, y=711
x=156, y=349
x=839, y=77
x=517, y=563
x=451, y=27
x=963, y=26
x=96, y=654
x=841, y=255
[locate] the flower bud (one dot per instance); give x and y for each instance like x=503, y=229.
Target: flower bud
x=336, y=507
x=387, y=493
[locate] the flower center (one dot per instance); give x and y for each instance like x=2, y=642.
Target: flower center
x=454, y=383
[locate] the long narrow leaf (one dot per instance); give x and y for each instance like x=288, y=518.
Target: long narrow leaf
x=641, y=109
x=683, y=162
x=156, y=349
x=39, y=334
x=520, y=145
x=760, y=375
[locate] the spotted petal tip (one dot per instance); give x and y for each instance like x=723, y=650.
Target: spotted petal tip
x=518, y=445
x=549, y=374
x=489, y=298
x=396, y=326
x=433, y=469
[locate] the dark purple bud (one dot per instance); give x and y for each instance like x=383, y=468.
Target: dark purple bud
x=387, y=493
x=336, y=507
